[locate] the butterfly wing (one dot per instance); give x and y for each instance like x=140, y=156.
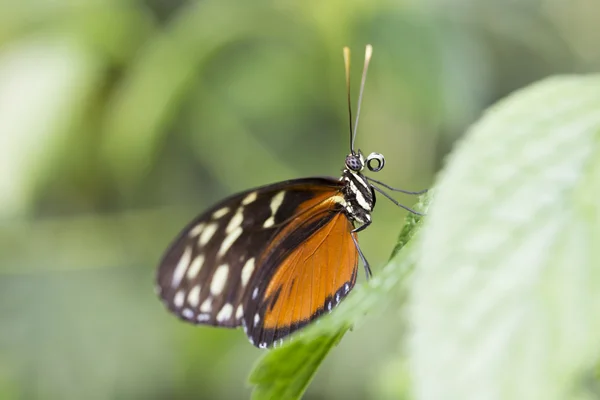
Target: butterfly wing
x=204, y=275
x=307, y=270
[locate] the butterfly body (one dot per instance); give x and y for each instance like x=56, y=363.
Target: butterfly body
x=359, y=196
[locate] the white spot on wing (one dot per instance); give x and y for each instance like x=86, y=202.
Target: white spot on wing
x=247, y=271
x=236, y=220
x=220, y=212
x=275, y=204
x=179, y=299
x=206, y=305
x=256, y=319
x=255, y=293
x=193, y=297
x=249, y=199
x=219, y=279
x=195, y=267
x=202, y=317
x=269, y=222
x=207, y=233
x=239, y=313
x=182, y=265
x=225, y=313
x=187, y=313
x=196, y=230
x=229, y=240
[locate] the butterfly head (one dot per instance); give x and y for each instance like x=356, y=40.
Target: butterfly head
x=356, y=162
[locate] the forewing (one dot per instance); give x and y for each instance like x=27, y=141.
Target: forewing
x=204, y=274
x=307, y=271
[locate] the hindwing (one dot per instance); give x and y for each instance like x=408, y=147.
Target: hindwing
x=305, y=272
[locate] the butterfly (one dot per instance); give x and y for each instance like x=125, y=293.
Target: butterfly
x=274, y=258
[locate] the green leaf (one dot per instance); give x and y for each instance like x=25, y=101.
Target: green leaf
x=285, y=372
x=505, y=302
x=294, y=366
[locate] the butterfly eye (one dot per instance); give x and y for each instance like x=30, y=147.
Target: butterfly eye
x=375, y=162
x=354, y=163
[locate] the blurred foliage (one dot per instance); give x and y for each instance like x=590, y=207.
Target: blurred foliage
x=508, y=304
x=121, y=120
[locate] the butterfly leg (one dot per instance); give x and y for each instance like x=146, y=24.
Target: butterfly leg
x=396, y=189
x=396, y=203
x=360, y=253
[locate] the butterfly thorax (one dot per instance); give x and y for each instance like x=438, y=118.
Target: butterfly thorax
x=358, y=195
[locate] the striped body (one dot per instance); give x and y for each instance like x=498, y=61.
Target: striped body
x=359, y=196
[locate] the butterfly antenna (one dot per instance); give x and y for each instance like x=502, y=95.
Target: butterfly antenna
x=347, y=68
x=368, y=54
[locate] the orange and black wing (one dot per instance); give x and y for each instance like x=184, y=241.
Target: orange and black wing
x=209, y=271
x=308, y=268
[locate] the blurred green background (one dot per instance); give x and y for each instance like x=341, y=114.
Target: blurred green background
x=121, y=120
